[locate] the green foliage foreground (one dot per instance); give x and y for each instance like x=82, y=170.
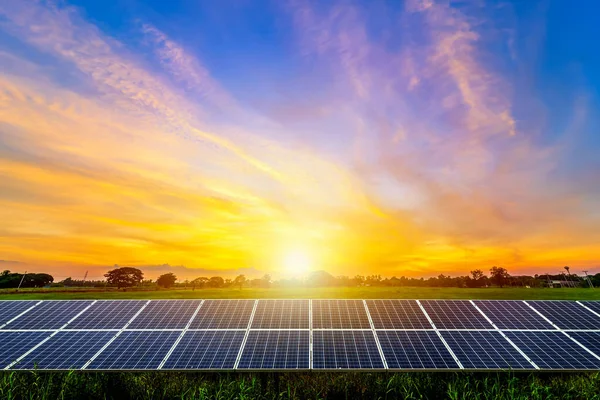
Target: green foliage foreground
x=343, y=385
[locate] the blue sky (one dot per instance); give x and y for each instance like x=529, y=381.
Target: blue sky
x=384, y=136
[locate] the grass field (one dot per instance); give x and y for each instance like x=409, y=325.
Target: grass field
x=312, y=293
x=313, y=385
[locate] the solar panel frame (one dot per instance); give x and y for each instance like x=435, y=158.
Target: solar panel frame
x=512, y=314
x=498, y=353
x=591, y=340
x=339, y=314
x=454, y=314
x=553, y=350
x=15, y=344
x=397, y=314
x=592, y=305
x=276, y=349
x=330, y=350
x=135, y=350
x=415, y=349
x=223, y=314
x=107, y=314
x=165, y=314
x=205, y=350
x=77, y=346
x=281, y=314
x=50, y=315
x=566, y=314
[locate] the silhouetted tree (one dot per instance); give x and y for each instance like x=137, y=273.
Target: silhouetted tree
x=11, y=280
x=216, y=282
x=239, y=281
x=124, y=277
x=499, y=275
x=200, y=282
x=166, y=280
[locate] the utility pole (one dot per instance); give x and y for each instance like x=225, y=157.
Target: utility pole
x=549, y=281
x=571, y=283
x=23, y=277
x=85, y=276
x=587, y=278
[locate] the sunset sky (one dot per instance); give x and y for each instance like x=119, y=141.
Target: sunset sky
x=378, y=137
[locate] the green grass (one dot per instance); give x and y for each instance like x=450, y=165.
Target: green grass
x=313, y=293
x=153, y=385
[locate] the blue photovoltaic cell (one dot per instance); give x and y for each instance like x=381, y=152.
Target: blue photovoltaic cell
x=590, y=340
x=65, y=350
x=512, y=314
x=345, y=350
x=567, y=314
x=165, y=314
x=484, y=350
x=414, y=350
x=276, y=350
x=553, y=350
x=206, y=350
x=10, y=309
x=136, y=350
x=15, y=344
x=281, y=314
x=51, y=314
x=223, y=314
x=339, y=314
x=455, y=314
x=397, y=314
x=107, y=314
x=593, y=305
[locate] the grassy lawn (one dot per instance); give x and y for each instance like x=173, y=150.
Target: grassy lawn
x=313, y=293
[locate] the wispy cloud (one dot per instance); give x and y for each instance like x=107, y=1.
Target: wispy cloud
x=397, y=149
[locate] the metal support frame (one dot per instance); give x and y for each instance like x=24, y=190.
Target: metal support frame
x=440, y=336
x=164, y=360
x=239, y=356
x=521, y=352
x=385, y=365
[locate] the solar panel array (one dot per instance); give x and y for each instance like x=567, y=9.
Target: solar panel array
x=299, y=334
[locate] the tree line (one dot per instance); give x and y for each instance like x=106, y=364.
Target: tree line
x=125, y=277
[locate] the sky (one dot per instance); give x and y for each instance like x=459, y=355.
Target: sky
x=410, y=138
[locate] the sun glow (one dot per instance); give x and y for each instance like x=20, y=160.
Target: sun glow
x=297, y=263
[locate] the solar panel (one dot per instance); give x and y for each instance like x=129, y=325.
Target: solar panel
x=414, y=350
x=136, y=350
x=14, y=344
x=553, y=350
x=281, y=314
x=51, y=314
x=223, y=314
x=107, y=314
x=484, y=350
x=397, y=314
x=591, y=340
x=510, y=314
x=593, y=305
x=455, y=314
x=567, y=314
x=65, y=350
x=342, y=349
x=11, y=309
x=339, y=314
x=206, y=350
x=276, y=350
x=165, y=314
